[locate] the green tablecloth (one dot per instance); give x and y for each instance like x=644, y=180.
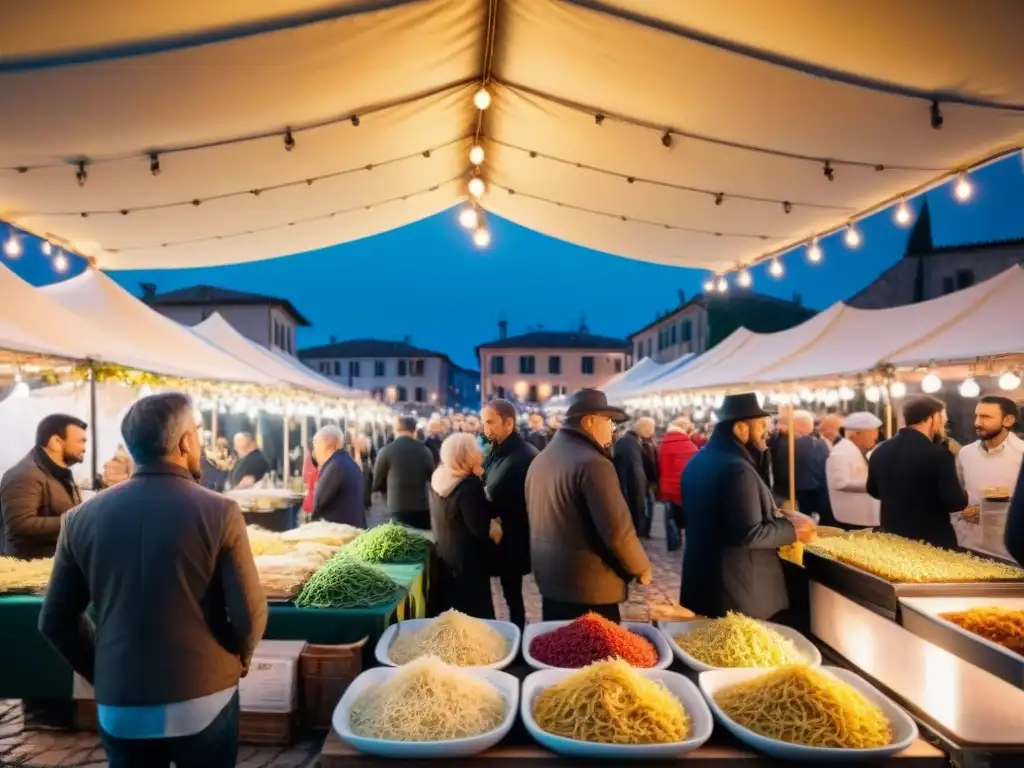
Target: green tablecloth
x=30, y=668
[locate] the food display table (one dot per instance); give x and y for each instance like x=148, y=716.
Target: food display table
x=31, y=669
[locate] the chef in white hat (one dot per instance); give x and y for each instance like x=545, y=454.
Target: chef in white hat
x=847, y=473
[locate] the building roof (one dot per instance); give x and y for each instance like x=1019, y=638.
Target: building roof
x=746, y=300
x=558, y=340
x=365, y=348
x=199, y=295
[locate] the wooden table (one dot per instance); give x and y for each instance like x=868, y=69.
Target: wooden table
x=338, y=754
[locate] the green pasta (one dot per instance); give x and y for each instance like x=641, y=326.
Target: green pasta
x=390, y=543
x=344, y=582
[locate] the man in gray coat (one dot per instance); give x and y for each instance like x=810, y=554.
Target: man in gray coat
x=178, y=604
x=402, y=473
x=583, y=545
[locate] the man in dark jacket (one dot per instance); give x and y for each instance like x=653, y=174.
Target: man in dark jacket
x=1013, y=536
x=402, y=472
x=537, y=434
x=36, y=491
x=730, y=562
x=505, y=479
x=628, y=457
x=583, y=546
x=179, y=609
x=916, y=479
x=339, y=495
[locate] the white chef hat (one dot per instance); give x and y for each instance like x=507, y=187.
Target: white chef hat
x=862, y=420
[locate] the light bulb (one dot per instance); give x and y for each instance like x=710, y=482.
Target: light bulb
x=20, y=390
x=775, y=269
x=719, y=401
x=872, y=394
x=709, y=286
x=814, y=252
x=897, y=389
x=469, y=218
x=1009, y=381
x=12, y=247
x=477, y=187
x=481, y=237
x=969, y=388
x=963, y=189
x=476, y=155
x=46, y=248
x=852, y=237
x=846, y=394
x=931, y=384
x=723, y=285
x=60, y=262
x=698, y=413
x=831, y=397
x=482, y=99
x=743, y=279
x=903, y=215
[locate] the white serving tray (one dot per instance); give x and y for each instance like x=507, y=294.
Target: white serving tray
x=670, y=629
x=418, y=750
x=904, y=729
x=509, y=630
x=701, y=722
x=648, y=631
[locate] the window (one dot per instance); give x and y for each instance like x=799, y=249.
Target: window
x=555, y=365
x=673, y=336
x=353, y=369
x=402, y=395
x=948, y=284
x=686, y=331
x=337, y=368
x=378, y=368
x=649, y=342
x=421, y=395
x=403, y=367
x=290, y=339
x=527, y=364
x=533, y=393
x=501, y=392
x=639, y=351
x=964, y=278
x=587, y=365
x=618, y=365
x=498, y=364
x=416, y=366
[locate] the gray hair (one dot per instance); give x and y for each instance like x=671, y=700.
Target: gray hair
x=331, y=435
x=154, y=426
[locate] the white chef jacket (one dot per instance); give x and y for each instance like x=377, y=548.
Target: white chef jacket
x=847, y=473
x=980, y=468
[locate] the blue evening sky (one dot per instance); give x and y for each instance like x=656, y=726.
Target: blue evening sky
x=427, y=280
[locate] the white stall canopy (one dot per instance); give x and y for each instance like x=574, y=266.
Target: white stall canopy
x=707, y=134
x=102, y=302
x=721, y=353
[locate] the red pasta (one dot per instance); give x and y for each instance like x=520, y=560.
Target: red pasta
x=592, y=638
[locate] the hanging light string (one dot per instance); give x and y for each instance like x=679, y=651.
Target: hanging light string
x=472, y=217
x=151, y=157
x=256, y=192
x=296, y=222
x=717, y=196
x=634, y=220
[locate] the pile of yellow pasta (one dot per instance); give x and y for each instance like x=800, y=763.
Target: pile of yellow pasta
x=738, y=641
x=610, y=702
x=454, y=638
x=21, y=576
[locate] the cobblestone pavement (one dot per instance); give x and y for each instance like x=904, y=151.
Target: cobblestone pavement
x=32, y=746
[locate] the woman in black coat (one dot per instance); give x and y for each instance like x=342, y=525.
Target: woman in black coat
x=462, y=521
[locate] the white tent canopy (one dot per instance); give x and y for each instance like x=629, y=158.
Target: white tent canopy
x=102, y=302
x=618, y=124
x=649, y=375
x=720, y=353
x=622, y=382
x=222, y=335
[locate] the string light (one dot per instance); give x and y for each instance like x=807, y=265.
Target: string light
x=723, y=284
x=477, y=187
x=21, y=389
x=482, y=99
x=963, y=190
x=666, y=139
x=852, y=237
x=936, y=116
x=481, y=237
x=81, y=173
x=154, y=164
x=743, y=279
x=969, y=388
x=814, y=252
x=897, y=390
x=931, y=384
x=709, y=286
x=289, y=140
x=872, y=394
x=46, y=248
x=903, y=215
x=1009, y=381
x=775, y=268
x=469, y=218
x=476, y=155
x=12, y=246
x=60, y=262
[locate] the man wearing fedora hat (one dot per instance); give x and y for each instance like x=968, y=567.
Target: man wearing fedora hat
x=732, y=530
x=583, y=545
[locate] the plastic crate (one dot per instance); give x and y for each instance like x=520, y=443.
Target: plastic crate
x=325, y=672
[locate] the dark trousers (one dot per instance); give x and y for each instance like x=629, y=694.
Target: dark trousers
x=512, y=589
x=419, y=520
x=555, y=610
x=214, y=747
x=469, y=594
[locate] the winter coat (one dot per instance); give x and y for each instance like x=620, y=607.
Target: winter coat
x=676, y=450
x=583, y=545
x=505, y=480
x=1014, y=534
x=309, y=477
x=339, y=496
x=403, y=471
x=538, y=440
x=460, y=517
x=730, y=561
x=433, y=442
x=34, y=493
x=628, y=457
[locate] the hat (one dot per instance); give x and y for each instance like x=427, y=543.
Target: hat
x=862, y=420
x=594, y=402
x=740, y=407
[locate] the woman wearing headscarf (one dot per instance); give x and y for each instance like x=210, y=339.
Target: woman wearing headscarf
x=467, y=536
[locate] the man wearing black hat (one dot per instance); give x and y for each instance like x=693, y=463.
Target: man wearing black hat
x=732, y=531
x=583, y=545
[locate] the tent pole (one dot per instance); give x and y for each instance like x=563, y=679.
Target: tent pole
x=213, y=423
x=791, y=440
x=287, y=458
x=888, y=419
x=94, y=428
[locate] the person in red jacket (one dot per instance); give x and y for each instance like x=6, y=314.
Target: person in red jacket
x=677, y=448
